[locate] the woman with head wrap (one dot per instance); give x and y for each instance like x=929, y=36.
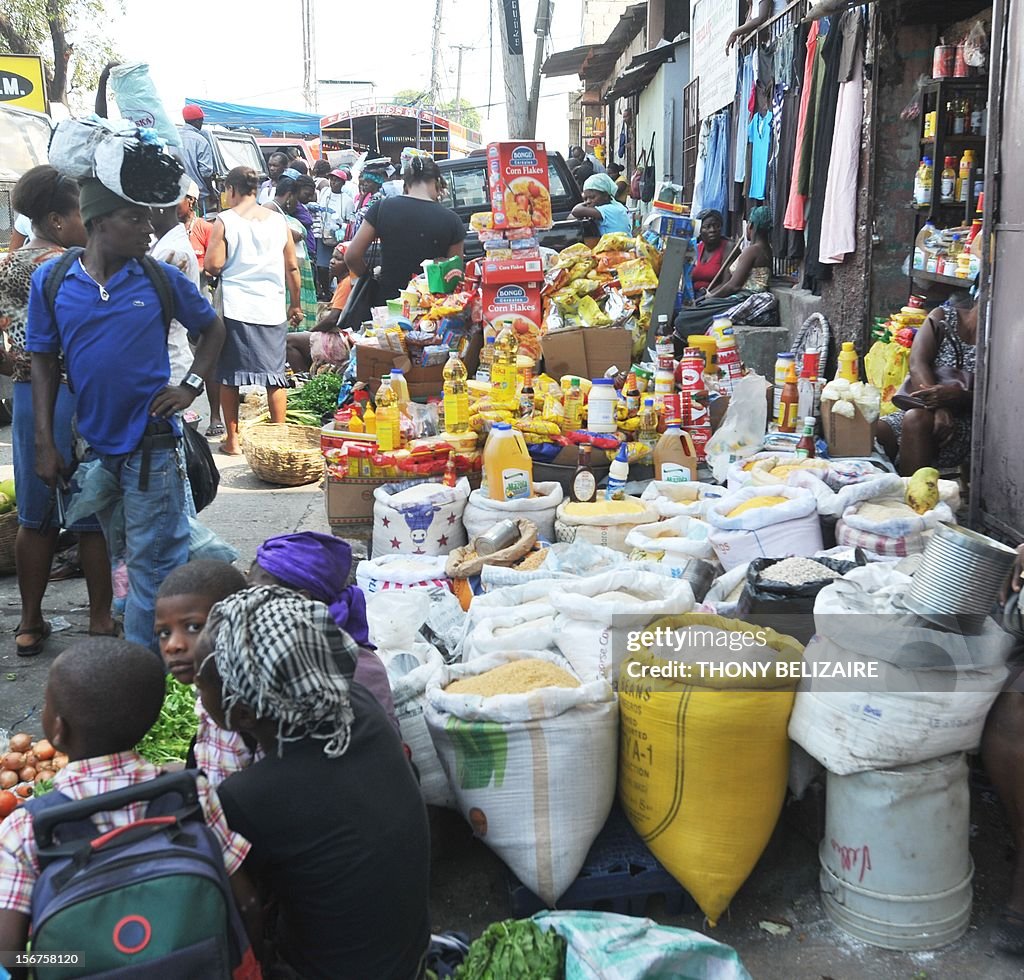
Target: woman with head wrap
x=318, y=565
x=599, y=205
x=333, y=814
x=746, y=276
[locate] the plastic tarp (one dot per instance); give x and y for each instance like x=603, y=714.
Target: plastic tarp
x=270, y=121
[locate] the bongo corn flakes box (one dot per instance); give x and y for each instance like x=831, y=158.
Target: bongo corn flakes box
x=517, y=305
x=520, y=193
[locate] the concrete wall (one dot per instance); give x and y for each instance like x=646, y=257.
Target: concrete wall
x=600, y=18
x=661, y=112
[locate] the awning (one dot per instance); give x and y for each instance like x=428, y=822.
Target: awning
x=639, y=72
x=596, y=61
x=269, y=121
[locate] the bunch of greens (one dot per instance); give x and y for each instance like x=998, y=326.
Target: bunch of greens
x=169, y=738
x=319, y=395
x=514, y=948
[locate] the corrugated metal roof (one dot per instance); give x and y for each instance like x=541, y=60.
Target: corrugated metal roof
x=595, y=62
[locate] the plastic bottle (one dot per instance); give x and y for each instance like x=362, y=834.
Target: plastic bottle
x=508, y=468
x=483, y=371
x=783, y=360
x=632, y=394
x=355, y=423
x=601, y=406
x=847, y=363
x=675, y=458
x=451, y=474
x=728, y=358
x=583, y=489
x=456, y=395
x=947, y=191
x=789, y=402
x=389, y=435
x=370, y=420
x=805, y=447
x=648, y=431
x=573, y=407
x=401, y=388
x=504, y=377
x=618, y=475
x=963, y=180
x=923, y=182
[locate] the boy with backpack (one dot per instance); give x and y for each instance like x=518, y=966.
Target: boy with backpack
x=109, y=808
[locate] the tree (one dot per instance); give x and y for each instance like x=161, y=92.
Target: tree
x=69, y=34
x=464, y=113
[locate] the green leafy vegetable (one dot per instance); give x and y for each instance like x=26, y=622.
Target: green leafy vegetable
x=515, y=949
x=41, y=786
x=169, y=738
x=319, y=395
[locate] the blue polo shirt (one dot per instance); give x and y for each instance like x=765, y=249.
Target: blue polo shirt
x=115, y=349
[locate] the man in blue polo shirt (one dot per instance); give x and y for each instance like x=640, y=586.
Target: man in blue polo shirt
x=108, y=323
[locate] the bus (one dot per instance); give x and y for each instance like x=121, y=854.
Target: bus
x=385, y=129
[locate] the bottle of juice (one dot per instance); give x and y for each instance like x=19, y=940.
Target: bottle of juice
x=573, y=407
x=508, y=469
x=648, y=431
x=504, y=380
x=584, y=484
x=389, y=430
x=456, y=395
x=675, y=458
x=847, y=363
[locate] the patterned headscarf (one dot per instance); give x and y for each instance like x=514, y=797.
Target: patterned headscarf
x=283, y=656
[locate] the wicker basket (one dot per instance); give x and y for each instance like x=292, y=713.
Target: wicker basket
x=8, y=532
x=288, y=455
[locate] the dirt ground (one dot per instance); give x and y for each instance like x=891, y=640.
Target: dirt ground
x=470, y=885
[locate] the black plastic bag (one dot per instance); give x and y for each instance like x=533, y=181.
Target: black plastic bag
x=203, y=475
x=361, y=300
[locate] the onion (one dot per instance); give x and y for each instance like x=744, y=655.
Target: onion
x=8, y=779
x=43, y=774
x=20, y=742
x=13, y=761
x=44, y=750
x=27, y=774
x=31, y=759
x=60, y=760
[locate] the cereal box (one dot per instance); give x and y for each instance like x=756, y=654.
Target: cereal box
x=512, y=270
x=518, y=175
x=511, y=304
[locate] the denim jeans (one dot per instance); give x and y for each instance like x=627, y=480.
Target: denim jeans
x=156, y=532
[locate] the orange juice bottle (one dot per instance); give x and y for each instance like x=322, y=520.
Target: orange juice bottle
x=508, y=469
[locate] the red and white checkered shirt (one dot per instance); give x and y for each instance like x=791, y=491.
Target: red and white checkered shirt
x=219, y=753
x=19, y=866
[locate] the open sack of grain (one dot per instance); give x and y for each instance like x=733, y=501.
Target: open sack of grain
x=420, y=517
x=704, y=757
x=674, y=542
x=402, y=572
x=688, y=499
x=483, y=512
x=907, y=693
x=603, y=522
x=530, y=755
x=888, y=528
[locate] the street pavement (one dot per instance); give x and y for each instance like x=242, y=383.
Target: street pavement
x=470, y=886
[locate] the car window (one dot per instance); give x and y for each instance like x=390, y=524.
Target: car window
x=467, y=189
x=23, y=143
x=240, y=153
x=558, y=189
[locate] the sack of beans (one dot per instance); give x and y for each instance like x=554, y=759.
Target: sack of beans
x=530, y=754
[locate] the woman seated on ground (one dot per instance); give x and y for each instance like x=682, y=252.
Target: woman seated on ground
x=748, y=275
x=712, y=249
x=324, y=343
x=938, y=433
x=600, y=206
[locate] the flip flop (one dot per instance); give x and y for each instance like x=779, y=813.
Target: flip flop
x=214, y=429
x=41, y=633
x=1009, y=933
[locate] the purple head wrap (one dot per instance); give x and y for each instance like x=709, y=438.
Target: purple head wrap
x=319, y=564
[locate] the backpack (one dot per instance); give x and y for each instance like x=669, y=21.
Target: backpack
x=148, y=900
x=152, y=268
x=649, y=179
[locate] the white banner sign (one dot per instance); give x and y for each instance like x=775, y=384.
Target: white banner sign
x=711, y=23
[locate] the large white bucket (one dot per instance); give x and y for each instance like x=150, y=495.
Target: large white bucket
x=895, y=867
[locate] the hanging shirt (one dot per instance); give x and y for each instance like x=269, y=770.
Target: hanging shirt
x=760, y=134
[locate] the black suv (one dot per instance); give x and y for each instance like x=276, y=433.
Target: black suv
x=468, y=193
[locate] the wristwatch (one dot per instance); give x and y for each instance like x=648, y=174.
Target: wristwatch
x=194, y=382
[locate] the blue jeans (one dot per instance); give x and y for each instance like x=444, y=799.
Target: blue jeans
x=156, y=532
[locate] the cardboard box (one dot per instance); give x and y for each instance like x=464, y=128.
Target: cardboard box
x=587, y=352
x=372, y=363
x=518, y=175
x=507, y=303
x=846, y=437
x=350, y=501
x=497, y=271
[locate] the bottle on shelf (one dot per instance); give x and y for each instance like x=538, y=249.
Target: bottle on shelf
x=456, y=395
x=959, y=116
x=950, y=115
x=389, y=431
x=583, y=489
x=947, y=185
x=805, y=447
x=976, y=119
x=979, y=182
x=963, y=180
x=923, y=182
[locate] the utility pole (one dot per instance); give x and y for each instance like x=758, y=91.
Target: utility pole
x=516, y=104
x=435, y=54
x=458, y=81
x=541, y=28
x=309, y=85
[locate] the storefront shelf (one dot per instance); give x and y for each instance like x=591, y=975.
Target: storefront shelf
x=944, y=280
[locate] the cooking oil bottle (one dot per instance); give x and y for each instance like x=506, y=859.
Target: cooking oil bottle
x=508, y=468
x=649, y=421
x=504, y=381
x=389, y=430
x=573, y=407
x=456, y=395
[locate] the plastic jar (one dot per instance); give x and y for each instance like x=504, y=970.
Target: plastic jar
x=601, y=406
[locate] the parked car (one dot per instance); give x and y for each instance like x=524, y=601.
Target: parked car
x=231, y=149
x=468, y=193
x=309, y=150
x=24, y=142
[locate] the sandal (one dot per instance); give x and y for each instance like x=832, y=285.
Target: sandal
x=214, y=429
x=41, y=633
x=1009, y=933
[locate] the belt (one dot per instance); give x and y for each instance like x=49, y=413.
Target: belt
x=159, y=435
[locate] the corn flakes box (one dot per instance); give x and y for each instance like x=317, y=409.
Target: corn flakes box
x=512, y=304
x=520, y=193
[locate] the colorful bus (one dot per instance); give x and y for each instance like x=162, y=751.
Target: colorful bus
x=385, y=129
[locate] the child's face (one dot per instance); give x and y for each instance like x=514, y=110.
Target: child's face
x=179, y=621
x=207, y=680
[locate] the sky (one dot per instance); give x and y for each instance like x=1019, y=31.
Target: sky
x=250, y=57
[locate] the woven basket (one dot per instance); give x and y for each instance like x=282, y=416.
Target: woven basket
x=8, y=532
x=288, y=455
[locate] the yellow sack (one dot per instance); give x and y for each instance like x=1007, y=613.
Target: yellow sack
x=886, y=366
x=704, y=761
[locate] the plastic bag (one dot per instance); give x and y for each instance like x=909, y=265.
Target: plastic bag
x=636, y=276
x=743, y=428
x=74, y=142
x=329, y=347
x=886, y=367
x=137, y=100
x=976, y=45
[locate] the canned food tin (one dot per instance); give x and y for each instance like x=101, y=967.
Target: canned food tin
x=943, y=60
x=503, y=535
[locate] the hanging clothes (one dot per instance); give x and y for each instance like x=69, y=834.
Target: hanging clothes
x=817, y=76
x=715, y=186
x=795, y=207
x=697, y=204
x=760, y=135
x=839, y=212
x=746, y=85
x=824, y=125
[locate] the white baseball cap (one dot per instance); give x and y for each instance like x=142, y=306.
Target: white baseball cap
x=192, y=190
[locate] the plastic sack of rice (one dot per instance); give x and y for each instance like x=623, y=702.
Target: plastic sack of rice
x=402, y=572
x=603, y=522
x=532, y=767
x=419, y=517
x=483, y=512
x=704, y=754
x=674, y=542
x=688, y=499
x=764, y=522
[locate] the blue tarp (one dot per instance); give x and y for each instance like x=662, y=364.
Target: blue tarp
x=270, y=121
